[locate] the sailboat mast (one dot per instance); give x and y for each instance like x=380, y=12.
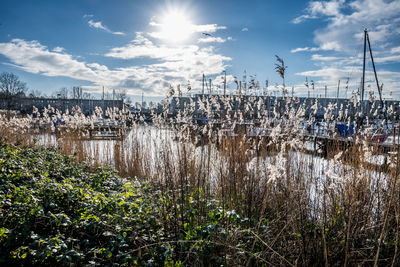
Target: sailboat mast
x=363, y=77
x=202, y=91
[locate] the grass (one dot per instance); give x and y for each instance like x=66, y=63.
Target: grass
x=210, y=199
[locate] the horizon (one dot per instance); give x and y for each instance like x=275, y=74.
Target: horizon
x=147, y=46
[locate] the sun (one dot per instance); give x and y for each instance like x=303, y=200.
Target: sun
x=175, y=26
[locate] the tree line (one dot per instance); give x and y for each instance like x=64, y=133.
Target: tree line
x=11, y=86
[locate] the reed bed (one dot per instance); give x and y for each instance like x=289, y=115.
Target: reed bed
x=280, y=202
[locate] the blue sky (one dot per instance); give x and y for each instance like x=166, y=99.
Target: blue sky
x=146, y=46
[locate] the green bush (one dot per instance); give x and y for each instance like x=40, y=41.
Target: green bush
x=54, y=211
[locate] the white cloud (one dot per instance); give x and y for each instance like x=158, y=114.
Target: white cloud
x=193, y=28
x=97, y=66
x=187, y=29
x=302, y=18
x=324, y=47
x=143, y=47
x=302, y=49
x=333, y=45
x=174, y=65
x=211, y=39
x=395, y=50
x=36, y=58
x=393, y=58
x=346, y=21
x=245, y=30
x=316, y=9
x=33, y=57
x=208, y=28
x=177, y=64
x=59, y=49
x=299, y=49
x=323, y=58
x=99, y=25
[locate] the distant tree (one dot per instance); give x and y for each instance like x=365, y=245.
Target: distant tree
x=34, y=93
x=108, y=96
x=86, y=96
x=121, y=94
x=62, y=93
x=77, y=92
x=10, y=85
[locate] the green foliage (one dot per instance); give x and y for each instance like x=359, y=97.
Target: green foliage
x=56, y=212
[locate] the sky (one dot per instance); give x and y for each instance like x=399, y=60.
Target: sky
x=148, y=47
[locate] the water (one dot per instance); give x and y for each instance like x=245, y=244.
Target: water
x=156, y=149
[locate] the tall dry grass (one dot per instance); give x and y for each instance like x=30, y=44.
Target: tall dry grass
x=302, y=205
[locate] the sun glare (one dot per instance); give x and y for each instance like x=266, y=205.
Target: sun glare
x=175, y=26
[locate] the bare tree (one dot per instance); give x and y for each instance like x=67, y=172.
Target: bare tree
x=62, y=93
x=86, y=96
x=107, y=96
x=77, y=92
x=10, y=85
x=121, y=94
x=34, y=93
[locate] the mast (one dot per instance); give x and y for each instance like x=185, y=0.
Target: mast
x=103, y=99
x=225, y=83
x=363, y=77
x=204, y=77
x=338, y=86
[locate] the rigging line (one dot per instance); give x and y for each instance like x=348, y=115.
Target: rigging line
x=353, y=67
x=370, y=80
